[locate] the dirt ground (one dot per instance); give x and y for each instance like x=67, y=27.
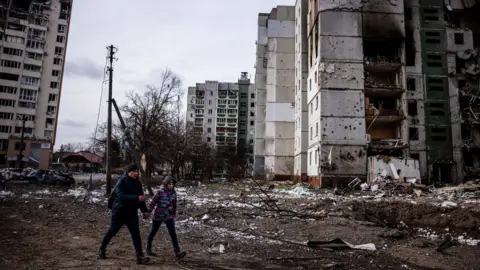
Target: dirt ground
x=235, y=226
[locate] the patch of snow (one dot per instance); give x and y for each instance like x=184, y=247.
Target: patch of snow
x=4, y=193
x=448, y=204
x=298, y=191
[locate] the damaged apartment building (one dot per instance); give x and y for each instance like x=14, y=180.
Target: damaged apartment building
x=275, y=96
x=34, y=37
x=386, y=78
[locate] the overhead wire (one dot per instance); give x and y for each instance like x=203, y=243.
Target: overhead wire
x=102, y=89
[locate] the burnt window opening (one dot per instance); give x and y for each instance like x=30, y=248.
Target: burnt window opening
x=382, y=51
x=439, y=138
x=408, y=14
x=462, y=83
x=412, y=108
x=432, y=37
x=413, y=134
x=437, y=113
x=439, y=130
x=437, y=105
x=415, y=156
x=411, y=84
x=431, y=14
x=459, y=65
x=458, y=38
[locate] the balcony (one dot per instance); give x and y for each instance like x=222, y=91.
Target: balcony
x=221, y=105
x=383, y=91
x=382, y=66
x=201, y=105
x=232, y=105
x=232, y=115
x=384, y=116
x=231, y=134
x=387, y=144
x=232, y=124
x=220, y=123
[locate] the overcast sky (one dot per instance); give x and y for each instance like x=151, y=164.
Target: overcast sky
x=198, y=40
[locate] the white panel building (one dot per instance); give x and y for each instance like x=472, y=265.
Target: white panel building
x=275, y=92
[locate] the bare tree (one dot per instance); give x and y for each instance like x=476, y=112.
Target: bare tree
x=73, y=147
x=148, y=115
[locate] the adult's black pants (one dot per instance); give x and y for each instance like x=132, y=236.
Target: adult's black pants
x=130, y=220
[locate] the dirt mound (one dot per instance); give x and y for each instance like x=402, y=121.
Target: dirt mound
x=425, y=215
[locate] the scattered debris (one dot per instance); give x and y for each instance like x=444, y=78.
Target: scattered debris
x=339, y=243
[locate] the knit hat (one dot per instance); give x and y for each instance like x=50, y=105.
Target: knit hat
x=132, y=167
x=167, y=180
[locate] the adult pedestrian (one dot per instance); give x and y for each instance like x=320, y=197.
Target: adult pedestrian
x=126, y=199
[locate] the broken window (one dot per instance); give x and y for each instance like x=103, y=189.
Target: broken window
x=252, y=114
x=57, y=61
x=252, y=123
x=459, y=38
x=412, y=108
x=60, y=39
x=54, y=85
x=415, y=156
x=381, y=51
x=430, y=14
x=413, y=134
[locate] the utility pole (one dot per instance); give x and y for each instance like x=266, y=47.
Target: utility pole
x=111, y=52
x=22, y=137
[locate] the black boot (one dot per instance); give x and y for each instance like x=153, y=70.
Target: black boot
x=150, y=252
x=142, y=260
x=179, y=255
x=102, y=255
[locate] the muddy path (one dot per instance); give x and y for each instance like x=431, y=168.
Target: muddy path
x=58, y=229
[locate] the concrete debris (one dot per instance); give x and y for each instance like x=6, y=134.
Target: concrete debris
x=467, y=54
x=448, y=204
x=338, y=243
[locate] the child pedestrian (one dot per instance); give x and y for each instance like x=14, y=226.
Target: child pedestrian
x=165, y=205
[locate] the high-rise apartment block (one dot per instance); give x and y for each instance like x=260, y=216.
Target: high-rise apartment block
x=223, y=114
x=275, y=90
x=34, y=38
x=371, y=78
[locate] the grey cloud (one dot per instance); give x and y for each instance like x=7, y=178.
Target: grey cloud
x=84, y=68
x=72, y=123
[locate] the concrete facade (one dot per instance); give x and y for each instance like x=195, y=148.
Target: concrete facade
x=222, y=114
x=301, y=90
x=33, y=53
x=275, y=93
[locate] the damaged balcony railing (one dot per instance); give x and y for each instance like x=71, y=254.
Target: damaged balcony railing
x=387, y=144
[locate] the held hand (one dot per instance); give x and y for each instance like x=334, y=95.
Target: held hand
x=146, y=215
x=141, y=198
